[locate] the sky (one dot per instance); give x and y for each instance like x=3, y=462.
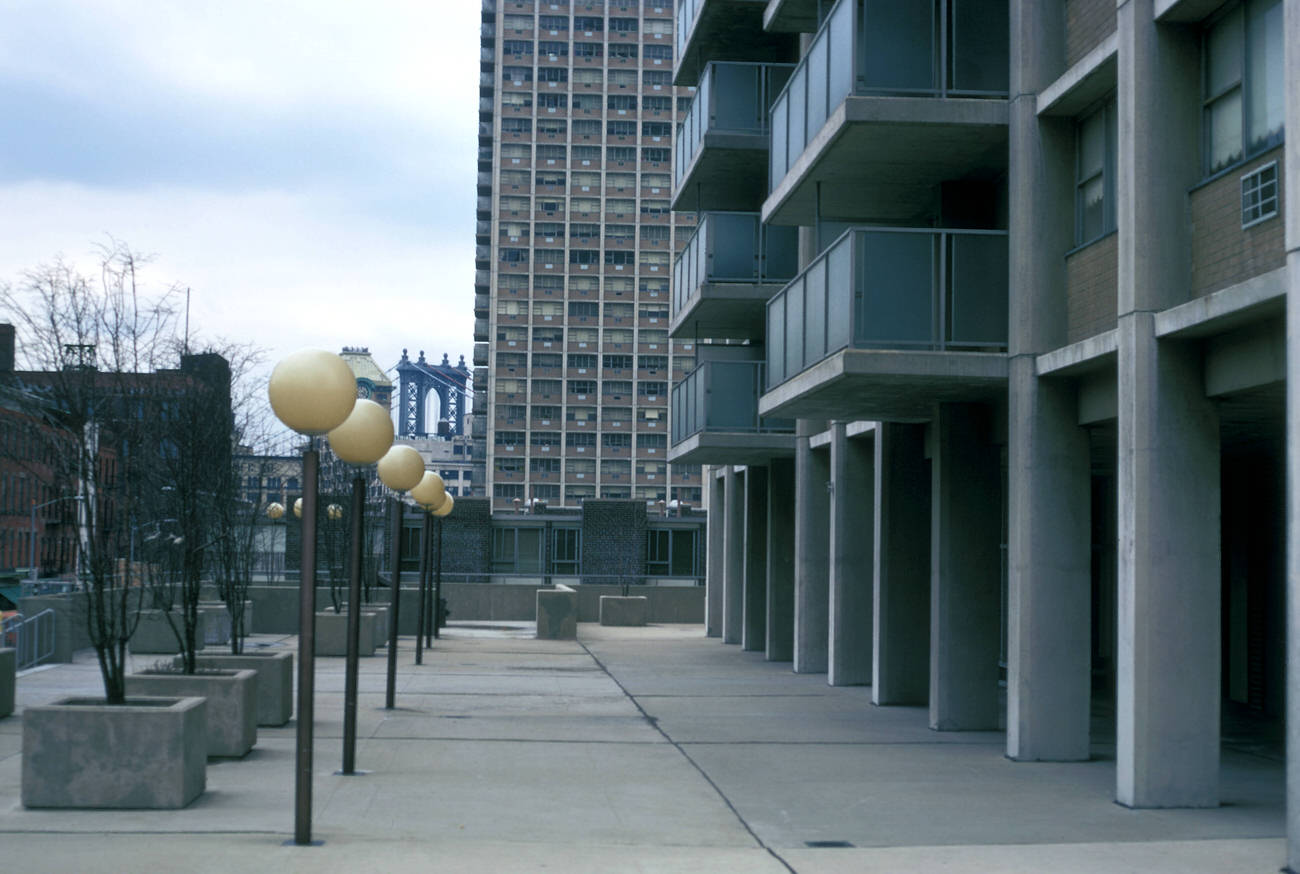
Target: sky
x=305, y=167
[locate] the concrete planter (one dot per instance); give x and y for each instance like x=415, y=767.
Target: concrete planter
x=148, y=753
x=274, y=680
x=8, y=680
x=218, y=624
x=232, y=704
x=383, y=615
x=154, y=634
x=332, y=634
x=557, y=613
x=630, y=610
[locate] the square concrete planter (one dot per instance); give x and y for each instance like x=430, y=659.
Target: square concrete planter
x=557, y=613
x=232, y=704
x=274, y=680
x=382, y=615
x=147, y=753
x=624, y=610
x=332, y=634
x=154, y=634
x=8, y=680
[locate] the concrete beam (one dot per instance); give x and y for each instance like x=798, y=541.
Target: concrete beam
x=811, y=568
x=753, y=634
x=714, y=573
x=733, y=562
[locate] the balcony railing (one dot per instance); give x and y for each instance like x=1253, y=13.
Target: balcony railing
x=734, y=247
x=722, y=396
x=942, y=48
x=892, y=288
x=686, y=11
x=732, y=97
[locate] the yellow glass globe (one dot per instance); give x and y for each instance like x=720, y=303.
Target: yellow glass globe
x=312, y=391
x=401, y=468
x=429, y=492
x=365, y=436
x=297, y=508
x=446, y=506
x=274, y=510
x=334, y=511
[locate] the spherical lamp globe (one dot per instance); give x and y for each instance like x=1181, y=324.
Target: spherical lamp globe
x=297, y=508
x=312, y=391
x=334, y=512
x=274, y=510
x=445, y=508
x=429, y=492
x=401, y=468
x=364, y=436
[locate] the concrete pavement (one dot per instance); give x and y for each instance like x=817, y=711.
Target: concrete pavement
x=652, y=749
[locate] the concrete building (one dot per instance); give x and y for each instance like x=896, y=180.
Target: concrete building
x=572, y=359
x=1019, y=415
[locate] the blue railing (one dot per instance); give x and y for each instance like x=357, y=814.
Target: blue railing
x=892, y=288
x=732, y=97
x=722, y=396
x=949, y=48
x=734, y=247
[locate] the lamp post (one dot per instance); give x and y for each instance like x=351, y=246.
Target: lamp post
x=441, y=513
x=401, y=469
x=360, y=441
x=430, y=494
x=31, y=547
x=274, y=512
x=312, y=392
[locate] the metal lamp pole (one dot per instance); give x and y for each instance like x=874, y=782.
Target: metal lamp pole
x=402, y=470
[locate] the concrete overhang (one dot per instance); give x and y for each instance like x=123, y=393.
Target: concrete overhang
x=890, y=153
x=1089, y=355
x=792, y=16
x=724, y=311
x=728, y=30
x=1188, y=11
x=731, y=447
x=728, y=172
x=1259, y=298
x=886, y=385
x=1089, y=80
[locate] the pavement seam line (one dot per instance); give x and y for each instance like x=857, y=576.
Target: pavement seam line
x=687, y=756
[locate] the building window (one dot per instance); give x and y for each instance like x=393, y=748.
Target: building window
x=516, y=550
x=1094, y=187
x=566, y=548
x=1259, y=195
x=1243, y=82
x=672, y=552
x=508, y=490
x=544, y=465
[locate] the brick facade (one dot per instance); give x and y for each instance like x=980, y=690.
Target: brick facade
x=613, y=539
x=1091, y=287
x=467, y=539
x=1224, y=254
x=1087, y=23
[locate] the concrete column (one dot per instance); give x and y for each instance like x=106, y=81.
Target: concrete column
x=753, y=634
x=1167, y=672
x=965, y=570
x=713, y=579
x=1291, y=24
x=733, y=562
x=811, y=567
x=852, y=533
x=780, y=560
x=901, y=658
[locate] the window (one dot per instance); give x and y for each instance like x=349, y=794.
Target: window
x=517, y=126
x=548, y=257
x=653, y=309
x=547, y=100
x=580, y=440
x=622, y=154
x=509, y=465
x=1259, y=195
x=623, y=78
x=1243, y=83
x=586, y=128
x=566, y=548
x=548, y=335
x=625, y=50
x=544, y=465
x=577, y=494
x=548, y=308
x=581, y=360
x=620, y=181
x=588, y=23
x=587, y=50
x=547, y=386
x=588, y=75
x=508, y=490
x=584, y=231
x=621, y=128
x=654, y=234
x=659, y=53
x=616, y=468
x=651, y=388
x=555, y=23
x=657, y=104
x=582, y=467
x=517, y=22
x=543, y=492
x=511, y=360
x=545, y=438
x=548, y=359
x=619, y=256
x=672, y=552
x=654, y=207
x=654, y=155
x=517, y=48
x=516, y=550
x=587, y=154
x=656, y=129
x=618, y=362
x=616, y=441
x=657, y=79
x=510, y=438
x=517, y=75
x=553, y=48
x=582, y=309
x=621, y=102
x=588, y=103
x=653, y=362
x=513, y=256
x=552, y=74
x=548, y=126
x=622, y=25
x=652, y=441
x=1094, y=186
x=582, y=386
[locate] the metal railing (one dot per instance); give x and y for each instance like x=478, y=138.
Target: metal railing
x=733, y=97
x=32, y=637
x=734, y=247
x=722, y=396
x=955, y=48
x=892, y=288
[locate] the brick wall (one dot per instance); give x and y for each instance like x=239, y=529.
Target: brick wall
x=1091, y=289
x=467, y=539
x=1087, y=23
x=1222, y=253
x=613, y=538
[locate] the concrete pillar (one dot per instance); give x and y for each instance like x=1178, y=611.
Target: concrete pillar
x=901, y=657
x=733, y=562
x=1291, y=23
x=753, y=634
x=965, y=570
x=713, y=579
x=852, y=532
x=811, y=567
x=1167, y=672
x=780, y=560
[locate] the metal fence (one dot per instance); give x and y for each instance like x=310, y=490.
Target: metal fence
x=32, y=637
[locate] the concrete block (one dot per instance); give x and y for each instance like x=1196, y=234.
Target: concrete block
x=149, y=753
x=557, y=613
x=618, y=610
x=232, y=704
x=332, y=634
x=8, y=680
x=154, y=634
x=274, y=681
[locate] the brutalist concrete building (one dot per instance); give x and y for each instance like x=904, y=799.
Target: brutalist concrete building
x=1000, y=422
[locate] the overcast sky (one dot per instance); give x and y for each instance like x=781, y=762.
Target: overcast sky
x=306, y=167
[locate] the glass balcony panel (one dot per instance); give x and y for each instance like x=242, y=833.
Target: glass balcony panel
x=978, y=312
x=733, y=397
x=979, y=46
x=732, y=238
x=814, y=328
x=896, y=47
x=794, y=360
x=895, y=290
x=737, y=98
x=818, y=58
x=776, y=341
x=839, y=293
x=778, y=143
x=780, y=253
x=839, y=35
x=797, y=96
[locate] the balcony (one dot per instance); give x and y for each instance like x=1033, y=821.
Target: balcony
x=887, y=322
x=793, y=16
x=722, y=142
x=727, y=271
x=890, y=100
x=723, y=30
x=716, y=418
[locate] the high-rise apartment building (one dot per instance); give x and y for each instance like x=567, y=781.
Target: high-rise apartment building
x=1028, y=419
x=573, y=363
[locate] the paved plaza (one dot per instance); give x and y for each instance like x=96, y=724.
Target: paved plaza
x=637, y=750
